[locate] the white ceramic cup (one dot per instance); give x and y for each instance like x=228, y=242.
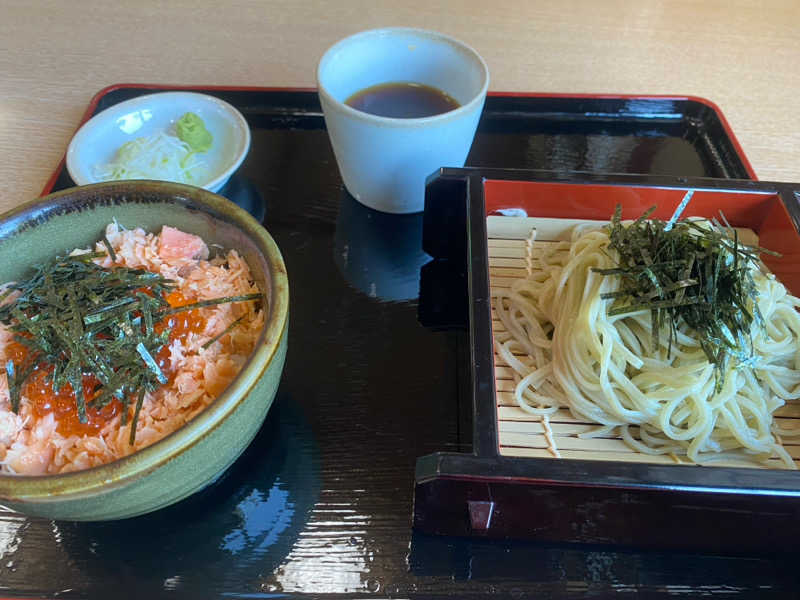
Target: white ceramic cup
x=384, y=161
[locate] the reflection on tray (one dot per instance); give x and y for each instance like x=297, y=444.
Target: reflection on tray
x=583, y=569
x=379, y=253
x=239, y=529
x=243, y=192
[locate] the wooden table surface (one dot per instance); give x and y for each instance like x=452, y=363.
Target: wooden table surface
x=54, y=56
x=743, y=55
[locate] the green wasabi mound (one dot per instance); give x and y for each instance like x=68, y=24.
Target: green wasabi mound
x=191, y=129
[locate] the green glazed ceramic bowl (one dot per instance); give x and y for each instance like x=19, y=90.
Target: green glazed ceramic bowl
x=193, y=456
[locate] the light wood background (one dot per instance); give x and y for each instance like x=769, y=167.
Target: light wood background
x=743, y=55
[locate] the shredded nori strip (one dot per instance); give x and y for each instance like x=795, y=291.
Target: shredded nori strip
x=212, y=302
x=110, y=249
x=687, y=271
x=84, y=319
x=217, y=337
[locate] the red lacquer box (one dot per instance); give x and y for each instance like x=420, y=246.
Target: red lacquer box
x=628, y=502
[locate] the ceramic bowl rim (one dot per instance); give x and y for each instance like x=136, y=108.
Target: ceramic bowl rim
x=105, y=478
x=474, y=102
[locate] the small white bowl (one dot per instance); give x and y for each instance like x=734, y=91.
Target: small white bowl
x=98, y=140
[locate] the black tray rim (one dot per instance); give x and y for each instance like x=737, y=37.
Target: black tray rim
x=95, y=100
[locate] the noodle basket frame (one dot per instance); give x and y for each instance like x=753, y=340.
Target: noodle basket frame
x=487, y=494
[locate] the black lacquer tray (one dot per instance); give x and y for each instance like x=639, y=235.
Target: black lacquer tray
x=321, y=502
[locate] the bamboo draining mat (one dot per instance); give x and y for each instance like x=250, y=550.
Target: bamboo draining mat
x=511, y=249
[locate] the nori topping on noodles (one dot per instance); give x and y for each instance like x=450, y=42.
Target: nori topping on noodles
x=695, y=271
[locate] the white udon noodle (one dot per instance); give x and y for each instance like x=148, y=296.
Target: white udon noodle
x=603, y=368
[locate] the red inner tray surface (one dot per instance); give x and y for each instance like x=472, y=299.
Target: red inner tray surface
x=763, y=212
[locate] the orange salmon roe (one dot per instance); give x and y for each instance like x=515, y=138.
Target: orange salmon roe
x=16, y=352
x=43, y=400
x=181, y=324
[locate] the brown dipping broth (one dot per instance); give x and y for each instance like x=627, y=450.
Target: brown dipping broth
x=402, y=100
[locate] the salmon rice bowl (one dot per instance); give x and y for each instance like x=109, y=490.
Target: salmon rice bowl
x=109, y=349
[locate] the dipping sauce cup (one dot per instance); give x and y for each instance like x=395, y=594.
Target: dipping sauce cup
x=384, y=161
